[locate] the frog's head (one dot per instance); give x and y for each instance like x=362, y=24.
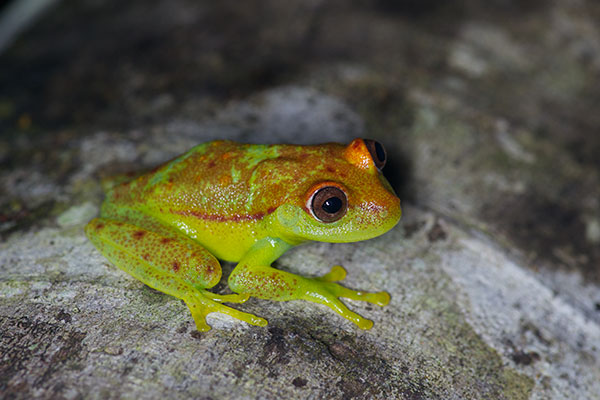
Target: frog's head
x=343, y=197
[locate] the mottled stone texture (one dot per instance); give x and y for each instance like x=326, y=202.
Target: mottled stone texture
x=489, y=111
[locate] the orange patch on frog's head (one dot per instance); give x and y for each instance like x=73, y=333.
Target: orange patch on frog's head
x=366, y=154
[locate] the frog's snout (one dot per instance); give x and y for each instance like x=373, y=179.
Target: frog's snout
x=385, y=213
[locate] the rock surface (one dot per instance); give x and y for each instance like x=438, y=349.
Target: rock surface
x=489, y=117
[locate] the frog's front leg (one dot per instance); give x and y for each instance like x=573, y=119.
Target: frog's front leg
x=173, y=265
x=254, y=276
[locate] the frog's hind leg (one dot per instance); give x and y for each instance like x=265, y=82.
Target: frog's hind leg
x=173, y=265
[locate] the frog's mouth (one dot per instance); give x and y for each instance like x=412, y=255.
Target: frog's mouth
x=369, y=220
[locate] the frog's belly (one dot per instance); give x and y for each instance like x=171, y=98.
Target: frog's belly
x=226, y=239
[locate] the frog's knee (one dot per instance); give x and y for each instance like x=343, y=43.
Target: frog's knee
x=234, y=282
x=200, y=269
x=211, y=273
x=238, y=279
x=92, y=227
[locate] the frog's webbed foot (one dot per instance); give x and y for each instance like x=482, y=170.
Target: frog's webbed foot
x=325, y=291
x=204, y=302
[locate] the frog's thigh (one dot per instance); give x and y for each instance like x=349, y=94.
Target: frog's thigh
x=178, y=267
x=153, y=258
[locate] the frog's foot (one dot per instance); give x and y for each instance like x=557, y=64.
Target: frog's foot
x=338, y=273
x=203, y=303
x=325, y=291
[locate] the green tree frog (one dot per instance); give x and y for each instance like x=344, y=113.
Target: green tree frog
x=247, y=204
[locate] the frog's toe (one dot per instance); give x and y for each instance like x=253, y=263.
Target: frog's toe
x=332, y=301
x=365, y=324
x=336, y=274
x=345, y=312
x=380, y=298
x=227, y=298
x=199, y=314
x=242, y=316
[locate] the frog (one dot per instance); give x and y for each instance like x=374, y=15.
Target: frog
x=247, y=204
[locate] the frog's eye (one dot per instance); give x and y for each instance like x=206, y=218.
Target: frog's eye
x=329, y=203
x=377, y=152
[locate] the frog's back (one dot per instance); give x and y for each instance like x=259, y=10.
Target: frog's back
x=226, y=179
x=210, y=179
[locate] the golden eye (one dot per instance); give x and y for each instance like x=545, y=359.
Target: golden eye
x=377, y=152
x=329, y=203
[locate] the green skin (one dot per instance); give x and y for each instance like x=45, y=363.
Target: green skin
x=248, y=204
